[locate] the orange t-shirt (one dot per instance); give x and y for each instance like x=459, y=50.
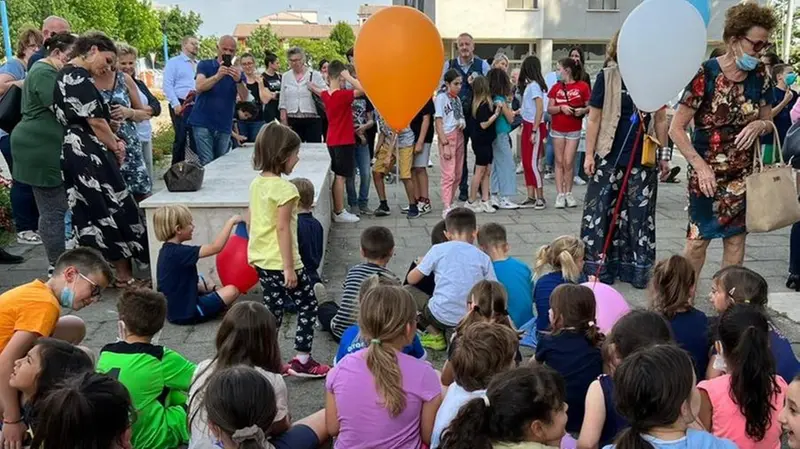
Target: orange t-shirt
x=31, y=307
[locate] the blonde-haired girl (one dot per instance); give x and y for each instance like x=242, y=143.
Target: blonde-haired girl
x=380, y=397
x=558, y=263
x=485, y=114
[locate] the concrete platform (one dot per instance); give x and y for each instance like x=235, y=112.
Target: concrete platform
x=225, y=192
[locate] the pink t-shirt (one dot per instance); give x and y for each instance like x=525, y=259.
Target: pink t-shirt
x=363, y=422
x=728, y=422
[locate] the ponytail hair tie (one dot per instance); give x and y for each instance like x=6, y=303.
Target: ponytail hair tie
x=486, y=401
x=591, y=323
x=375, y=341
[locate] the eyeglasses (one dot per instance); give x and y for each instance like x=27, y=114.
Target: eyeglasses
x=96, y=289
x=758, y=45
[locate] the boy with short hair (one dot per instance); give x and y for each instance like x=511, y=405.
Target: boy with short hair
x=245, y=110
x=514, y=274
x=377, y=248
x=458, y=265
x=191, y=299
x=310, y=235
x=32, y=310
x=390, y=141
x=157, y=378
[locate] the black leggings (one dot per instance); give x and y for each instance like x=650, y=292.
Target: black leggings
x=309, y=129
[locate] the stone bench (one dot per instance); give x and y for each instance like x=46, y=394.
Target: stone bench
x=226, y=192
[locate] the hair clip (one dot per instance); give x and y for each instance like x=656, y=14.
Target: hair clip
x=375, y=341
x=591, y=323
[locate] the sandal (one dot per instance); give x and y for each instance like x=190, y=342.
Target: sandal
x=671, y=178
x=131, y=283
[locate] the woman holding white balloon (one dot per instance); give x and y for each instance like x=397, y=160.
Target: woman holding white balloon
x=729, y=103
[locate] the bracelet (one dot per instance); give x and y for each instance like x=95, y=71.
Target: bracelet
x=12, y=422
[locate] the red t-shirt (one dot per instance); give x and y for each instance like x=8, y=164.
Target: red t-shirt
x=575, y=94
x=339, y=109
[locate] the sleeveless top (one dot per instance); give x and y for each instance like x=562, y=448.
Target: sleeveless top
x=614, y=422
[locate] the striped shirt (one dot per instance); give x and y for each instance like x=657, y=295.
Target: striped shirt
x=348, y=307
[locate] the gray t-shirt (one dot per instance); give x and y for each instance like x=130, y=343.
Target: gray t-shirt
x=405, y=139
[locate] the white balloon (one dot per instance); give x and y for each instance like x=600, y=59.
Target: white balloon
x=661, y=46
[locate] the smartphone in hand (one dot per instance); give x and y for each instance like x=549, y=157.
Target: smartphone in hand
x=227, y=60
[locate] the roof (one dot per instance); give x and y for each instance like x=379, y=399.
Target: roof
x=292, y=15
x=368, y=10
x=311, y=31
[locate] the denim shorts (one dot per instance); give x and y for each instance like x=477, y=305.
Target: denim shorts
x=573, y=135
x=297, y=437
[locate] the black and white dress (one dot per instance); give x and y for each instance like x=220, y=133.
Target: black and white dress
x=104, y=213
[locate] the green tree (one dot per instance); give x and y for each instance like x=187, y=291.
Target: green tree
x=139, y=25
x=263, y=39
x=781, y=7
x=344, y=38
x=179, y=24
x=208, y=47
x=318, y=49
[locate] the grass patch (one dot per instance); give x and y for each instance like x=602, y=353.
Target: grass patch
x=162, y=144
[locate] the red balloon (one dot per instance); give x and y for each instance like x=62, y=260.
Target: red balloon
x=232, y=265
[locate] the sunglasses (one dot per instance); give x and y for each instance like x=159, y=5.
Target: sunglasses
x=96, y=289
x=758, y=45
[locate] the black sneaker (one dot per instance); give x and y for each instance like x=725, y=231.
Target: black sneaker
x=383, y=211
x=463, y=196
x=413, y=212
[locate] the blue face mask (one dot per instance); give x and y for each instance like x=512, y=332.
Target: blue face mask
x=791, y=78
x=67, y=297
x=559, y=76
x=746, y=62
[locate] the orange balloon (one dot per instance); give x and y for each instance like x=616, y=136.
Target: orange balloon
x=399, y=58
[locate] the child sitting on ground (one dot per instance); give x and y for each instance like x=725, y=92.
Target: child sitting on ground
x=32, y=310
x=672, y=289
x=157, y=378
x=377, y=248
x=557, y=263
x=394, y=147
x=380, y=397
x=635, y=330
x=789, y=417
x=514, y=274
x=353, y=341
x=191, y=299
x=523, y=409
x=310, y=235
x=423, y=290
x=655, y=393
x=573, y=348
x=484, y=350
x=743, y=405
x=458, y=266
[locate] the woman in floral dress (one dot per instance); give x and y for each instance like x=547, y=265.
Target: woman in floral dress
x=728, y=101
x=105, y=214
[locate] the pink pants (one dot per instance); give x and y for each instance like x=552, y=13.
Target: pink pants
x=451, y=168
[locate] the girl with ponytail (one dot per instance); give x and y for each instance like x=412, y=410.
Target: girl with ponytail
x=743, y=404
x=379, y=396
x=654, y=391
x=573, y=347
x=558, y=263
x=523, y=409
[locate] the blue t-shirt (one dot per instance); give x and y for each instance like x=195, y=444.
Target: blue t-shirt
x=694, y=439
x=214, y=109
x=501, y=125
x=310, y=240
x=177, y=280
x=614, y=422
x=578, y=362
x=690, y=329
x=517, y=278
x=541, y=297
x=620, y=154
x=783, y=121
x=350, y=343
x=786, y=363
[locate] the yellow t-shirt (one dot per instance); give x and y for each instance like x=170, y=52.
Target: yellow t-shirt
x=31, y=307
x=267, y=194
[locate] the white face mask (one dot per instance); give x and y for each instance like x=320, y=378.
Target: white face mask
x=719, y=361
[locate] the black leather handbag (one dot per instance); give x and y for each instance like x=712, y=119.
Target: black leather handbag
x=184, y=177
x=11, y=109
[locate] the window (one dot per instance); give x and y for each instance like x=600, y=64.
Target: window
x=522, y=4
x=512, y=51
x=595, y=55
x=604, y=5
x=418, y=4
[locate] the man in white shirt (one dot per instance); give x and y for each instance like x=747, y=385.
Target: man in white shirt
x=178, y=83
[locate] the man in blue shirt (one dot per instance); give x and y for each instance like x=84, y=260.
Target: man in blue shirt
x=217, y=84
x=178, y=82
x=51, y=25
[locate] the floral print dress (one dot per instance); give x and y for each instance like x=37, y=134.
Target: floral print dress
x=723, y=108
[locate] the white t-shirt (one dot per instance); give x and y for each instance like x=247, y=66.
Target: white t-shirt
x=144, y=129
x=201, y=437
x=532, y=92
x=458, y=266
x=444, y=110
x=455, y=398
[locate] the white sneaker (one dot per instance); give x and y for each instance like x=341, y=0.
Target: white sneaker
x=345, y=217
x=71, y=243
x=494, y=201
x=474, y=207
x=570, y=200
x=445, y=212
x=487, y=208
x=561, y=201
x=578, y=181
x=507, y=204
x=519, y=168
x=430, y=163
x=28, y=238
x=549, y=176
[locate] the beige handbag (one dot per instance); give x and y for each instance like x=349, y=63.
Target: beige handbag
x=772, y=201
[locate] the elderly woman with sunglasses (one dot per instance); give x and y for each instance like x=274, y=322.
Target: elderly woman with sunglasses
x=104, y=212
x=729, y=102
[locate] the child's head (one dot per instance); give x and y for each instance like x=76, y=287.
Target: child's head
x=672, y=286
x=492, y=236
x=173, y=222
x=453, y=81
x=487, y=302
x=335, y=69
x=79, y=277
x=241, y=406
x=654, y=387
x=635, y=330
x=482, y=351
x=461, y=224
x=306, y=190
x=47, y=364
x=565, y=254
x=438, y=233
x=480, y=93
x=246, y=110
x=524, y=404
x=736, y=284
x=387, y=320
x=86, y=401
x=277, y=149
x=374, y=281
x=142, y=312
x=499, y=83
x=248, y=335
x=377, y=244
x=573, y=307
x=790, y=414
x=743, y=341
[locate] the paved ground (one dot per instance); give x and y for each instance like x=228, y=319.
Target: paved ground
x=527, y=231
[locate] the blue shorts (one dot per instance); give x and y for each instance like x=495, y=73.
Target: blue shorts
x=209, y=306
x=297, y=437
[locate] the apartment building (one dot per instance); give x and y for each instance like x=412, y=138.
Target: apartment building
x=547, y=28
